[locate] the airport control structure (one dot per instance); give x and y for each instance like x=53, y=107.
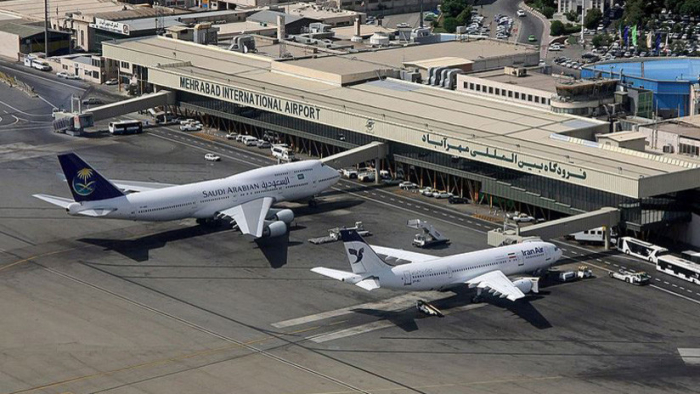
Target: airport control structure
x=509, y=155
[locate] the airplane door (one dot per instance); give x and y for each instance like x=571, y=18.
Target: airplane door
x=521, y=260
x=407, y=279
x=449, y=272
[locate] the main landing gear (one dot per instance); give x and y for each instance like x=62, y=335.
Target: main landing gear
x=427, y=309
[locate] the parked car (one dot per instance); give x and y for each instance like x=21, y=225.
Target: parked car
x=92, y=101
x=366, y=176
x=441, y=194
x=457, y=200
x=428, y=191
x=212, y=157
x=190, y=127
x=239, y=137
x=350, y=173
x=61, y=74
x=521, y=13
x=263, y=144
x=408, y=185
x=531, y=38
x=72, y=76
x=555, y=47
x=112, y=81
x=231, y=136
x=520, y=217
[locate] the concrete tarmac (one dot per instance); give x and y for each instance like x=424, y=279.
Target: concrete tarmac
x=94, y=306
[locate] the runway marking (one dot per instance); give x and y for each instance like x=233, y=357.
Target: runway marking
x=615, y=265
x=599, y=260
x=675, y=294
x=4, y=267
x=665, y=282
x=690, y=356
x=389, y=304
x=460, y=219
x=352, y=331
x=377, y=325
x=657, y=279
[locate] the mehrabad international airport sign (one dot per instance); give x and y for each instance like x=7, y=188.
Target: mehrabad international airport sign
x=249, y=98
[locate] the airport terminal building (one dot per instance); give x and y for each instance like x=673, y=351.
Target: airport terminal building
x=511, y=156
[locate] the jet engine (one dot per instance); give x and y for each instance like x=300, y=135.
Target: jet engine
x=73, y=208
x=284, y=215
x=274, y=229
x=527, y=285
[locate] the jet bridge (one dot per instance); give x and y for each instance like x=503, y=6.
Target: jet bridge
x=605, y=217
x=163, y=97
x=373, y=151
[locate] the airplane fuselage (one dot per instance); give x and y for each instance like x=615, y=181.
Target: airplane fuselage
x=203, y=200
x=446, y=272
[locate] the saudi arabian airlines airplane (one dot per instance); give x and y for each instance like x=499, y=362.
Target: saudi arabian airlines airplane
x=484, y=269
x=244, y=198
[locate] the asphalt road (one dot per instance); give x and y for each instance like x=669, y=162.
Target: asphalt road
x=94, y=306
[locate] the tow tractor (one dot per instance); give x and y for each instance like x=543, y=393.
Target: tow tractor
x=427, y=309
x=429, y=237
x=334, y=234
x=637, y=278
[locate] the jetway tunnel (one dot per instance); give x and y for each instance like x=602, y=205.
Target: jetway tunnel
x=373, y=151
x=163, y=97
x=606, y=217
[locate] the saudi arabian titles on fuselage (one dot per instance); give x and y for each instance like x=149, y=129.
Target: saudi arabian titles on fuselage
x=245, y=198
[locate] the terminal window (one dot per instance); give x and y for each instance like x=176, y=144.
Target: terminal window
x=686, y=149
x=529, y=97
x=478, y=88
x=510, y=93
x=537, y=99
x=517, y=95
x=503, y=92
x=498, y=91
x=471, y=86
x=490, y=89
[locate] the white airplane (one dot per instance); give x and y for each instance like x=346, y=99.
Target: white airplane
x=484, y=269
x=245, y=198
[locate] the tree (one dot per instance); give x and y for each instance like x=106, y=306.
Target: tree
x=465, y=16
x=548, y=12
x=557, y=28
x=571, y=16
x=450, y=24
x=600, y=40
x=453, y=7
x=593, y=18
x=691, y=7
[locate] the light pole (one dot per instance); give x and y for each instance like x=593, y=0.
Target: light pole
x=46, y=29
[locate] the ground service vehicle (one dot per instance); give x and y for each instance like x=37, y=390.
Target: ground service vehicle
x=282, y=153
x=641, y=249
x=249, y=140
x=126, y=127
x=596, y=235
x=680, y=268
x=636, y=278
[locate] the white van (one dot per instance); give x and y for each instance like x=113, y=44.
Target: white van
x=249, y=140
x=596, y=235
x=282, y=153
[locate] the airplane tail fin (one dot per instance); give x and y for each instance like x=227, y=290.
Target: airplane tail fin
x=85, y=183
x=362, y=258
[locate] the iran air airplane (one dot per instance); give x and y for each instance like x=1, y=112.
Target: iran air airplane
x=245, y=198
x=484, y=269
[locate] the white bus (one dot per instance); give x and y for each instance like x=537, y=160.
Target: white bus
x=126, y=127
x=679, y=267
x=641, y=249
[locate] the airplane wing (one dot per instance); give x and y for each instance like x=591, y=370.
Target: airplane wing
x=498, y=283
x=136, y=186
x=250, y=217
x=401, y=256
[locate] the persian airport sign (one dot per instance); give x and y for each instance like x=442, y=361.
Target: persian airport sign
x=114, y=27
x=252, y=99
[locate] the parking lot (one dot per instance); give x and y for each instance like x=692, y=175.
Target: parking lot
x=118, y=306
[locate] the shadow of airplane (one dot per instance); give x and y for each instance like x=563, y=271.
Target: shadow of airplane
x=138, y=249
x=275, y=250
x=326, y=206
